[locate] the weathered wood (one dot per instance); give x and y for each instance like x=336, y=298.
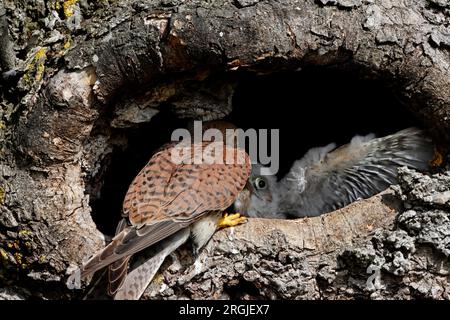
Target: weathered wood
x=276, y=258
x=84, y=69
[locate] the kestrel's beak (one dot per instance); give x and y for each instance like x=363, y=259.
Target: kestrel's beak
x=249, y=187
x=242, y=201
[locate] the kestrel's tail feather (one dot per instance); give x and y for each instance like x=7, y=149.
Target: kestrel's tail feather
x=129, y=241
x=117, y=271
x=139, y=278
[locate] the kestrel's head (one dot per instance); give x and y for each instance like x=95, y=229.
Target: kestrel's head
x=260, y=197
x=217, y=129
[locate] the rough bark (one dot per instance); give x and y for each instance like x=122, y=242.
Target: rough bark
x=367, y=250
x=84, y=69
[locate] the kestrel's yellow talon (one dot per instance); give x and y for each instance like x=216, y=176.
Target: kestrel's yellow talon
x=231, y=220
x=437, y=160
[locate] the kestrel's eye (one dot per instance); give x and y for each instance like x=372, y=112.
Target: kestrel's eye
x=260, y=183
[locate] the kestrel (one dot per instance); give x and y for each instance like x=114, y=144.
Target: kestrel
x=175, y=196
x=326, y=178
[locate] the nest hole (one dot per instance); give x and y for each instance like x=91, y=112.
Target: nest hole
x=312, y=107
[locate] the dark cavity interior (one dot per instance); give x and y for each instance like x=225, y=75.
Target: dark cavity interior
x=312, y=107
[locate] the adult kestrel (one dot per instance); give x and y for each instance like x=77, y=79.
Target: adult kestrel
x=175, y=196
x=326, y=178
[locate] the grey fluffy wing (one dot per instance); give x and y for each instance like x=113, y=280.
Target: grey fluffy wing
x=360, y=169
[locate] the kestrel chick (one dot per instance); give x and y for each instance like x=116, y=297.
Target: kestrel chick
x=326, y=178
x=177, y=195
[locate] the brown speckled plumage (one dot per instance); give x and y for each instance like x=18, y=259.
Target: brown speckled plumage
x=165, y=198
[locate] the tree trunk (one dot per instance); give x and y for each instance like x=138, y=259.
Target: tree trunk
x=75, y=72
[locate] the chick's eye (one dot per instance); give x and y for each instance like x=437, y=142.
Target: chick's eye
x=260, y=183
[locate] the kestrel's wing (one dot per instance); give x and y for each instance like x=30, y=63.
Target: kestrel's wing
x=166, y=197
x=360, y=169
x=166, y=190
